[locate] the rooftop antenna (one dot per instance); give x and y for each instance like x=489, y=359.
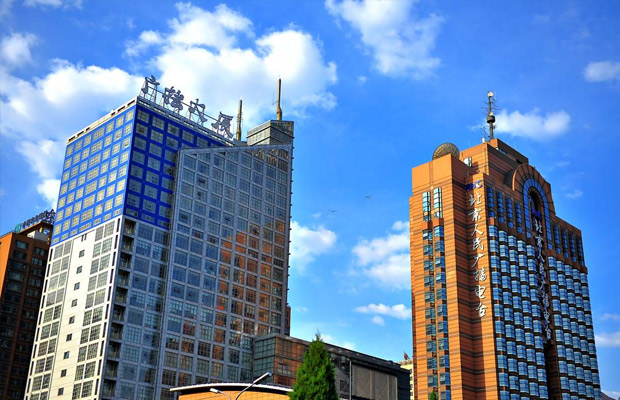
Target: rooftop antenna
x=238, y=135
x=279, y=110
x=490, y=116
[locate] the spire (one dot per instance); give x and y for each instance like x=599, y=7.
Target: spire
x=279, y=110
x=238, y=135
x=490, y=116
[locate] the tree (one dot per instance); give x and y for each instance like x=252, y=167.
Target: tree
x=432, y=396
x=316, y=379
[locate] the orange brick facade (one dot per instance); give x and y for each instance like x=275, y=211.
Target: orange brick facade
x=499, y=284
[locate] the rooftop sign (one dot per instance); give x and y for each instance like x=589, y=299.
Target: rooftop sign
x=172, y=100
x=45, y=216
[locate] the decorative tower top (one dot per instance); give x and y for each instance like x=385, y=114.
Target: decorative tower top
x=279, y=110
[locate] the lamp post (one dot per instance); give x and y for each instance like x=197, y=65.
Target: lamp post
x=257, y=380
x=214, y=390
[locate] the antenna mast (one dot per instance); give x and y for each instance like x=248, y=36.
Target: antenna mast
x=238, y=135
x=490, y=116
x=279, y=110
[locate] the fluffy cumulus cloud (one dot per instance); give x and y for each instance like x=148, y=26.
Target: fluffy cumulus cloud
x=399, y=42
x=396, y=311
x=39, y=115
x=601, y=71
x=201, y=55
x=385, y=259
x=608, y=339
x=533, y=124
x=15, y=49
x=308, y=243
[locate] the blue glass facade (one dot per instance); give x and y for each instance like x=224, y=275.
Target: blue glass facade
x=156, y=141
x=125, y=163
x=94, y=175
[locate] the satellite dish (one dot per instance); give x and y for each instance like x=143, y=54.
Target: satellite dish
x=444, y=149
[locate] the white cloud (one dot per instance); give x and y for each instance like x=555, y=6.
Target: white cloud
x=300, y=309
x=400, y=43
x=54, y=3
x=333, y=341
x=5, y=7
x=378, y=320
x=201, y=56
x=307, y=244
x=574, y=194
x=38, y=116
x=532, y=124
x=399, y=311
x=608, y=339
x=146, y=40
x=196, y=57
x=48, y=189
x=602, y=71
x=196, y=26
x=610, y=317
x=15, y=49
x=386, y=259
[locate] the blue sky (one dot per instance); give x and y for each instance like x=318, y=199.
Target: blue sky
x=373, y=87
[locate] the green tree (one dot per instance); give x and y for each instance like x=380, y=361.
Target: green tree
x=316, y=379
x=432, y=396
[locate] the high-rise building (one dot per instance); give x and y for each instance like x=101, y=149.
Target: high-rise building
x=170, y=251
x=23, y=258
x=501, y=308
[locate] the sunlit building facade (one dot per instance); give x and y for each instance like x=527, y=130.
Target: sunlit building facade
x=170, y=251
x=501, y=308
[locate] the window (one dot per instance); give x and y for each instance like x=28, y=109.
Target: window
x=71, y=320
x=66, y=355
x=63, y=373
x=79, y=269
x=81, y=253
x=69, y=337
x=76, y=286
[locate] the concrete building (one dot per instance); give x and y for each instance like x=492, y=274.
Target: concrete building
x=23, y=259
x=501, y=308
x=169, y=252
x=358, y=375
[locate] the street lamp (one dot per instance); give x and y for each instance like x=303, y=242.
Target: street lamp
x=257, y=380
x=214, y=390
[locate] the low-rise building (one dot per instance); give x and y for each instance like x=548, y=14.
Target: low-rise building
x=358, y=375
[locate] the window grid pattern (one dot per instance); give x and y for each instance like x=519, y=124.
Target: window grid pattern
x=156, y=143
x=229, y=261
x=94, y=176
x=518, y=324
x=574, y=334
x=436, y=312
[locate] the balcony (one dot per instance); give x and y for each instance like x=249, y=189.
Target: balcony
x=114, y=351
x=117, y=332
